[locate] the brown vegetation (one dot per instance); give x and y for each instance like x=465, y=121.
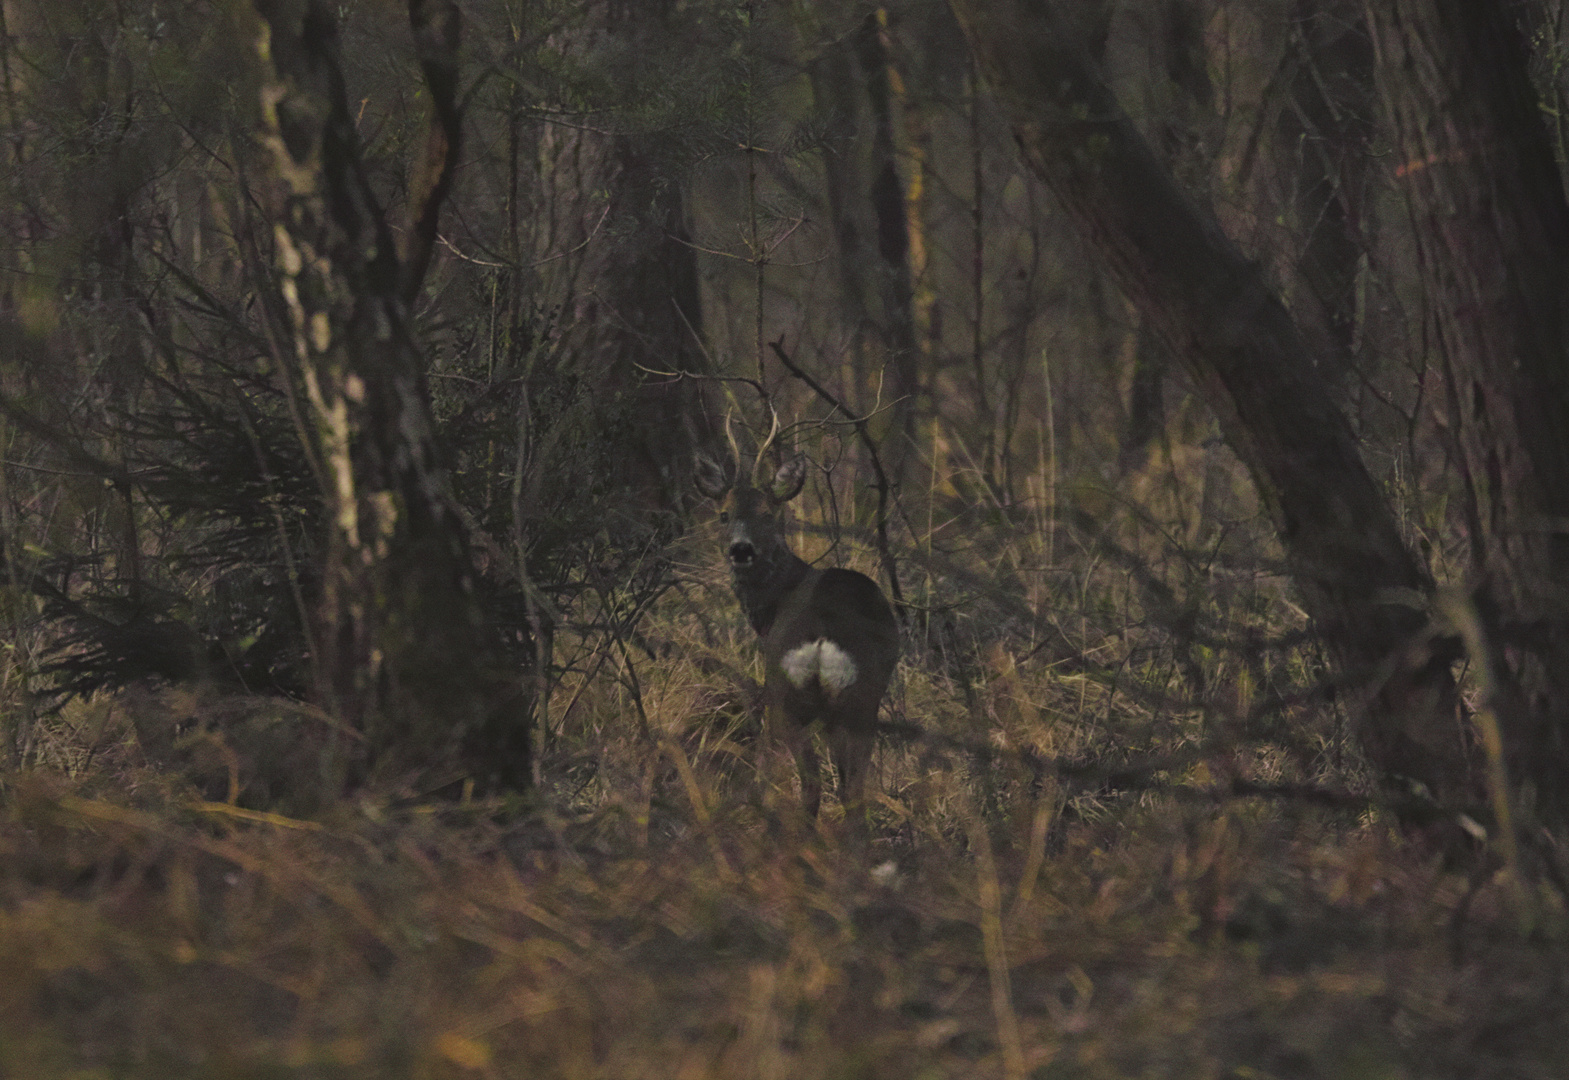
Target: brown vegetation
x=1187, y=373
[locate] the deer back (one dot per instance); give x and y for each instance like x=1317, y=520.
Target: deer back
x=830, y=640
x=832, y=649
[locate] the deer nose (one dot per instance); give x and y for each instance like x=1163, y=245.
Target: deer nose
x=742, y=553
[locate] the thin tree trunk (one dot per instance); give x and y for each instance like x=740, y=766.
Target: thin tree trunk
x=1211, y=308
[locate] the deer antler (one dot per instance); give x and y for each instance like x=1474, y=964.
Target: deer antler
x=762, y=451
x=735, y=447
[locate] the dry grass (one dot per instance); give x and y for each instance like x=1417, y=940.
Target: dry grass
x=674, y=916
x=144, y=935
x=662, y=909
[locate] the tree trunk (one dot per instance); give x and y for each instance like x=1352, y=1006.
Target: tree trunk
x=866, y=199
x=630, y=276
x=1294, y=176
x=1177, y=117
x=645, y=316
x=1211, y=308
x=1332, y=123
x=1475, y=164
x=401, y=650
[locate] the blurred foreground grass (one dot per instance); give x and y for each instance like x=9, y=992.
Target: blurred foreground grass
x=147, y=934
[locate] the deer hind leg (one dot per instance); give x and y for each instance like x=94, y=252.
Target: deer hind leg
x=811, y=772
x=796, y=741
x=852, y=754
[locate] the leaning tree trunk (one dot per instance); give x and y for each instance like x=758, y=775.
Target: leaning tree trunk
x=1475, y=165
x=1177, y=120
x=1213, y=311
x=401, y=649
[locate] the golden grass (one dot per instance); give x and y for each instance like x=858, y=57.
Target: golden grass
x=661, y=909
x=666, y=912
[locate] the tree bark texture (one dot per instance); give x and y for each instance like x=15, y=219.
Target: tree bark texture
x=1211, y=308
x=1475, y=165
x=401, y=647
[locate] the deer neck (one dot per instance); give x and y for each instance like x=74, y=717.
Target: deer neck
x=762, y=587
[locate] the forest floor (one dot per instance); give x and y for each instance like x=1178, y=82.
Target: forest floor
x=689, y=928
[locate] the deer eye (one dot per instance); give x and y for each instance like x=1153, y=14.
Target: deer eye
x=724, y=517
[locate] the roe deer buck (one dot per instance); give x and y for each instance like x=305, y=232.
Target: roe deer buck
x=829, y=638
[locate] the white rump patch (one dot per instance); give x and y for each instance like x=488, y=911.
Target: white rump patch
x=823, y=661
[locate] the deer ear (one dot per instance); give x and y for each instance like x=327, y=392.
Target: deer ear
x=709, y=478
x=788, y=481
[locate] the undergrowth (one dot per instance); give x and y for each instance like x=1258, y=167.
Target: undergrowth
x=145, y=934
x=1058, y=880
